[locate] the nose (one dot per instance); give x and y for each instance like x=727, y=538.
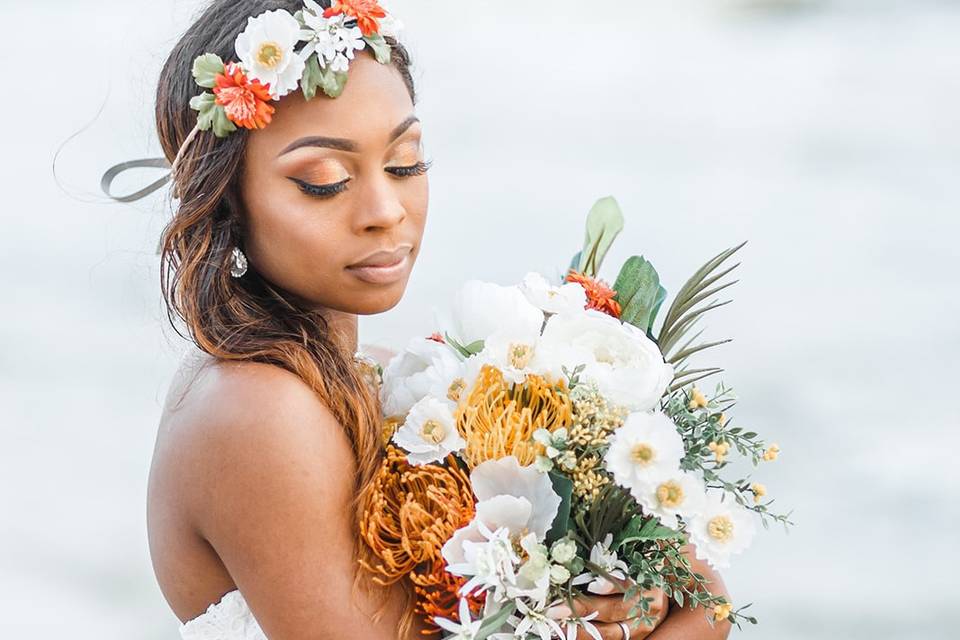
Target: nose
x=379, y=206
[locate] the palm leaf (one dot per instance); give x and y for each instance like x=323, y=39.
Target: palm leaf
x=690, y=305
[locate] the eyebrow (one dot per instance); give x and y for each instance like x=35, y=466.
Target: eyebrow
x=344, y=144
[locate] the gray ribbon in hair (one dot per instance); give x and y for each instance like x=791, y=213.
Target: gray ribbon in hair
x=161, y=163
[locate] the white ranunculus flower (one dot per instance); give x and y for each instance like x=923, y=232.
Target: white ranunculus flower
x=429, y=433
x=626, y=365
x=482, y=309
x=569, y=297
x=266, y=50
x=644, y=451
x=721, y=529
x=681, y=494
x=424, y=367
x=608, y=560
x=517, y=498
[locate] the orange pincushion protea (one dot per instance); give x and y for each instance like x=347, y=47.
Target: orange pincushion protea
x=498, y=418
x=246, y=102
x=367, y=13
x=599, y=295
x=411, y=511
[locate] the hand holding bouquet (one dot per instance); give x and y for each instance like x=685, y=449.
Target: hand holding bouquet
x=546, y=443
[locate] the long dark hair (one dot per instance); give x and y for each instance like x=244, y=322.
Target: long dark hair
x=248, y=318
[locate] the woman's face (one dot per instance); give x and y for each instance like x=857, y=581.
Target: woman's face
x=336, y=193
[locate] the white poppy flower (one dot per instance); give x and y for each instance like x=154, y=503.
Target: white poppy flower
x=482, y=309
x=681, y=494
x=644, y=451
x=424, y=367
x=626, y=365
x=265, y=48
x=569, y=297
x=516, y=499
x=721, y=529
x=429, y=433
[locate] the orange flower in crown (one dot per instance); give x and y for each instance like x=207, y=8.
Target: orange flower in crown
x=599, y=295
x=367, y=13
x=245, y=101
x=278, y=52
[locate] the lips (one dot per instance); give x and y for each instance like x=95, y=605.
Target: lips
x=383, y=267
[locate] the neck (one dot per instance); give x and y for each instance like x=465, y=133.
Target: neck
x=343, y=328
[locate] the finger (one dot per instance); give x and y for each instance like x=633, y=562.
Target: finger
x=613, y=608
x=613, y=631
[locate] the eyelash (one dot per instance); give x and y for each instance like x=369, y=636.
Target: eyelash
x=329, y=190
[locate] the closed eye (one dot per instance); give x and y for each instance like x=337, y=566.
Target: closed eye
x=417, y=169
x=322, y=190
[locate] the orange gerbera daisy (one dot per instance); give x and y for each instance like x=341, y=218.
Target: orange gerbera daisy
x=599, y=294
x=245, y=101
x=366, y=12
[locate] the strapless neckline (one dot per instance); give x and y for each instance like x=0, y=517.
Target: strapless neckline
x=228, y=619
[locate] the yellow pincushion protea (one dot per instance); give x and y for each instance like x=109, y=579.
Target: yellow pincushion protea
x=498, y=418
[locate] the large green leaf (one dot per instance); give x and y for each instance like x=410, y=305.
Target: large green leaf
x=380, y=47
x=604, y=222
x=206, y=68
x=312, y=77
x=639, y=292
x=563, y=486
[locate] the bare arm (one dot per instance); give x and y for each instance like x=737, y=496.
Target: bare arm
x=280, y=473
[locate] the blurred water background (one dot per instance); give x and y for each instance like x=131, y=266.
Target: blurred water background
x=824, y=132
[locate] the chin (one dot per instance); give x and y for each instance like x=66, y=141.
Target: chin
x=373, y=302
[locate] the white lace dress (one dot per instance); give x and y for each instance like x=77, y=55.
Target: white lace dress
x=229, y=619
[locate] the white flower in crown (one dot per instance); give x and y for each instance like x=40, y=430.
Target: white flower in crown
x=645, y=451
x=390, y=26
x=266, y=50
x=680, y=494
x=626, y=365
x=334, y=42
x=567, y=297
x=429, y=433
x=721, y=529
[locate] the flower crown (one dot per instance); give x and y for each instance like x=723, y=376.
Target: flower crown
x=269, y=68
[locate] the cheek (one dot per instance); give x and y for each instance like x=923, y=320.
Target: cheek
x=294, y=245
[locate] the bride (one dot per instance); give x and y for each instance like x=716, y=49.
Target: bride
x=283, y=235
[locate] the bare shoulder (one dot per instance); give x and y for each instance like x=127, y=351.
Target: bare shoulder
x=234, y=422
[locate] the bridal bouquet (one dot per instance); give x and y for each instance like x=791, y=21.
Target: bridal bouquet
x=546, y=441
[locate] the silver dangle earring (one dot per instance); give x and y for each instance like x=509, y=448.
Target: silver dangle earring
x=238, y=263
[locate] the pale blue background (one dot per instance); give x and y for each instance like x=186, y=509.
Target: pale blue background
x=825, y=132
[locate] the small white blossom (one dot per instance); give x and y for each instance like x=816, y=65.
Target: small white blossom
x=467, y=629
x=563, y=550
x=608, y=560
